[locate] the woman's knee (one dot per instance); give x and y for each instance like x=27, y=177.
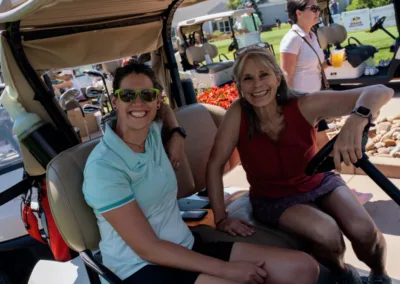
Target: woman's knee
x=307, y=271
x=363, y=231
x=301, y=268
x=330, y=238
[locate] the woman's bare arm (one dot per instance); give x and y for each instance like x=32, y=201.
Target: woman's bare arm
x=288, y=66
x=134, y=228
x=225, y=142
x=325, y=104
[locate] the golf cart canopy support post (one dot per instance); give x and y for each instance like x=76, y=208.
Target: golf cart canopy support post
x=58, y=34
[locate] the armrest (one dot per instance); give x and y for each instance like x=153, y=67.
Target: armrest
x=98, y=268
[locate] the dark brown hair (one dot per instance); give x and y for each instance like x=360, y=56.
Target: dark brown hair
x=293, y=5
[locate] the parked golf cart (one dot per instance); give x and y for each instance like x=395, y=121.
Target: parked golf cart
x=34, y=40
x=199, y=60
x=353, y=71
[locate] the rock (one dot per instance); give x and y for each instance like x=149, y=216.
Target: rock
x=384, y=126
x=391, y=148
x=398, y=142
x=389, y=142
x=383, y=155
x=392, y=118
x=383, y=151
x=396, y=121
x=381, y=119
x=395, y=135
x=379, y=145
x=389, y=134
x=370, y=145
x=398, y=137
x=383, y=132
x=396, y=155
x=377, y=138
x=395, y=125
x=395, y=150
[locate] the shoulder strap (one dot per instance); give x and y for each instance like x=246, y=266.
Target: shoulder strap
x=325, y=81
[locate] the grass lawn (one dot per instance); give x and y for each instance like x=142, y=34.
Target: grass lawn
x=379, y=39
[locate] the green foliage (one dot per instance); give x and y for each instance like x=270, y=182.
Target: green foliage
x=361, y=4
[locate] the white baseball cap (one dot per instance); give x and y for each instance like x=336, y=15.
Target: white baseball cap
x=66, y=72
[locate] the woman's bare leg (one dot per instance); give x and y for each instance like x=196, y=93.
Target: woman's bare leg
x=282, y=265
x=208, y=279
x=368, y=242
x=320, y=229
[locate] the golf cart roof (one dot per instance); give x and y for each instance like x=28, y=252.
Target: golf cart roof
x=214, y=17
x=53, y=13
x=68, y=33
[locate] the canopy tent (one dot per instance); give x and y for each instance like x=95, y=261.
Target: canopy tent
x=52, y=34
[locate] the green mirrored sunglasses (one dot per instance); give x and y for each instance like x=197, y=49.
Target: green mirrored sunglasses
x=129, y=95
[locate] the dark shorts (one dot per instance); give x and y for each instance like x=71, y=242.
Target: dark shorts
x=156, y=274
x=269, y=210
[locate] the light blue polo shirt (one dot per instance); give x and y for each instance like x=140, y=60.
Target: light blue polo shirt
x=248, y=23
x=114, y=176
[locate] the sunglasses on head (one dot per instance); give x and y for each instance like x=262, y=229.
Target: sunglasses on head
x=260, y=45
x=129, y=95
x=313, y=8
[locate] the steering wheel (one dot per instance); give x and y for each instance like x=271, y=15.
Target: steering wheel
x=322, y=162
x=378, y=24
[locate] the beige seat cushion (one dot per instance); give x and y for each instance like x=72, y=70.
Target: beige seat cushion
x=334, y=34
x=215, y=67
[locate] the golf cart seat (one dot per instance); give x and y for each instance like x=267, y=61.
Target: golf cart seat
x=355, y=65
x=77, y=222
x=197, y=54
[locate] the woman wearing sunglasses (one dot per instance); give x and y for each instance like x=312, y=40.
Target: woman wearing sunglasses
x=130, y=184
x=273, y=129
x=302, y=58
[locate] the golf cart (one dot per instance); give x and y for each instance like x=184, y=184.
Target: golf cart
x=196, y=55
x=34, y=40
x=355, y=69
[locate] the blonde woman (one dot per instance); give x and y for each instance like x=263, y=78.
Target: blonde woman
x=274, y=132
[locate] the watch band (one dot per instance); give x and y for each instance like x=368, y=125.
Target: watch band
x=180, y=130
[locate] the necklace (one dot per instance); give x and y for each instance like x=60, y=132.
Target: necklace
x=141, y=145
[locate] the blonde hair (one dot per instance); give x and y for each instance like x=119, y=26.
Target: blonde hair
x=267, y=59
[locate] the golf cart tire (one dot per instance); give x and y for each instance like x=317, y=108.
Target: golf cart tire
x=4, y=278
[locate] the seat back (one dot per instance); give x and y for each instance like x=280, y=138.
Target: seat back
x=196, y=54
x=74, y=218
x=334, y=34
x=201, y=122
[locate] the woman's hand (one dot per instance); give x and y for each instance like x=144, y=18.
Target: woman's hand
x=176, y=150
x=348, y=144
x=236, y=227
x=245, y=272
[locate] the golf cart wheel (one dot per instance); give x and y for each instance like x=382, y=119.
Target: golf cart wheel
x=4, y=278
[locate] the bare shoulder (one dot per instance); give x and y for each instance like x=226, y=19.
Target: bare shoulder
x=234, y=112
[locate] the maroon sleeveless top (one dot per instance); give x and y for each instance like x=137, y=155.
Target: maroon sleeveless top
x=276, y=169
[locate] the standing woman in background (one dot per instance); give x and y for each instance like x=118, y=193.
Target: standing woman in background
x=302, y=60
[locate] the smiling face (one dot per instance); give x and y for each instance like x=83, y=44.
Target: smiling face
x=258, y=82
x=138, y=114
x=307, y=17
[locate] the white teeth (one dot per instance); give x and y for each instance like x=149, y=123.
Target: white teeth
x=259, y=94
x=137, y=113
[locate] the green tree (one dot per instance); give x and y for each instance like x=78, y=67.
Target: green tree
x=239, y=4
x=361, y=4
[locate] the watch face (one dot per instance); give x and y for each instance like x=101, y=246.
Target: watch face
x=363, y=111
